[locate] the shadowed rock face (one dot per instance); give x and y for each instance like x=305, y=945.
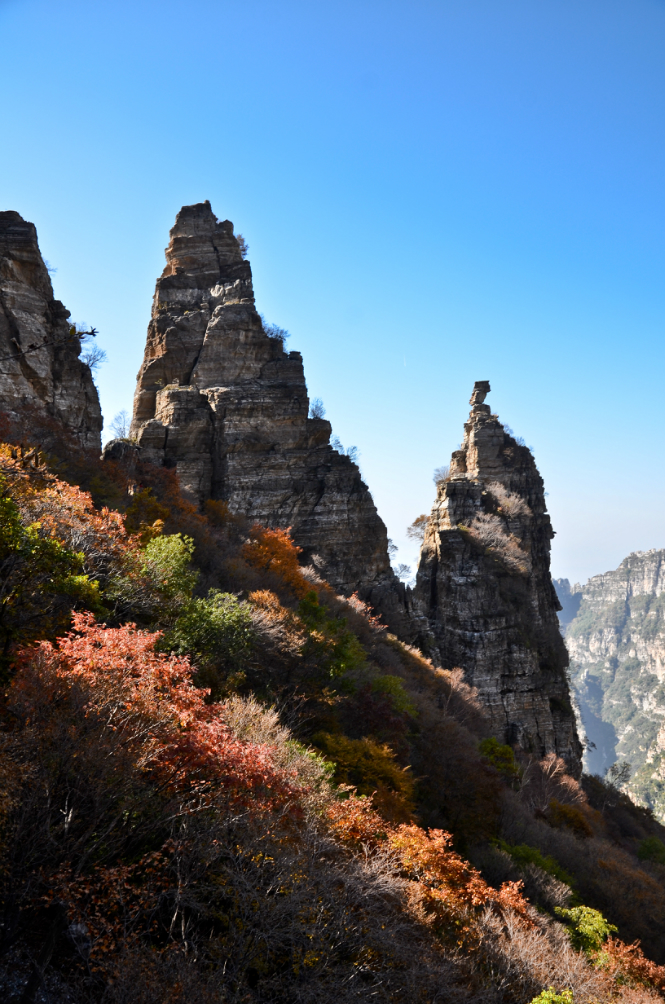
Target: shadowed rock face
x=484, y=586
x=40, y=367
x=223, y=403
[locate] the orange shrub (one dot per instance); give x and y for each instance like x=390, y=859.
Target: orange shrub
x=354, y=821
x=629, y=961
x=146, y=705
x=64, y=512
x=448, y=893
x=274, y=551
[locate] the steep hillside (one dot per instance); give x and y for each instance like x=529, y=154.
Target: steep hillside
x=616, y=642
x=260, y=795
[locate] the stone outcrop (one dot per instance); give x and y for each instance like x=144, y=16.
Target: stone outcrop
x=485, y=589
x=40, y=368
x=219, y=399
x=616, y=643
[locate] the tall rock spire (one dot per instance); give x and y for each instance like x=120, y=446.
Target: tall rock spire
x=40, y=367
x=484, y=586
x=220, y=399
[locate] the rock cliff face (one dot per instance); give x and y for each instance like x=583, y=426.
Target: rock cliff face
x=616, y=643
x=220, y=400
x=484, y=586
x=40, y=367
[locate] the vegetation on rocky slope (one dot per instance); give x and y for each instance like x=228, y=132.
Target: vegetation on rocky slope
x=222, y=782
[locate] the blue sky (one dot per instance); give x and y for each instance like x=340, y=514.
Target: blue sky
x=433, y=193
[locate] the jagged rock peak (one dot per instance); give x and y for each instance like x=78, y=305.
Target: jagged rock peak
x=202, y=253
x=484, y=586
x=220, y=399
x=42, y=377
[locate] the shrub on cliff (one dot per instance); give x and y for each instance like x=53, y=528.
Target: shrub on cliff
x=169, y=834
x=159, y=824
x=218, y=633
x=588, y=928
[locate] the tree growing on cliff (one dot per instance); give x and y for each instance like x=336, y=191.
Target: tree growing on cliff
x=316, y=409
x=274, y=331
x=242, y=244
x=416, y=531
x=120, y=425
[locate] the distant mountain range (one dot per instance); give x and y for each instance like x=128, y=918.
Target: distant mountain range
x=614, y=628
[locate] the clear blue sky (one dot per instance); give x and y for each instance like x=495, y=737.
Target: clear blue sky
x=433, y=193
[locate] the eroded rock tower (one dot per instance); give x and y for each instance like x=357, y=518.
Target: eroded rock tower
x=221, y=400
x=485, y=588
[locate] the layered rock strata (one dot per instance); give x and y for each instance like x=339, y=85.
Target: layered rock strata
x=616, y=643
x=484, y=586
x=219, y=399
x=40, y=368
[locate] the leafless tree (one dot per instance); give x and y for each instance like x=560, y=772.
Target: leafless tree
x=120, y=425
x=93, y=357
x=403, y=571
x=316, y=409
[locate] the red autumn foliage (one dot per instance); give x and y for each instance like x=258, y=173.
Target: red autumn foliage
x=148, y=705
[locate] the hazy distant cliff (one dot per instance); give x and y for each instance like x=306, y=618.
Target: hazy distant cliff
x=40, y=368
x=617, y=653
x=484, y=586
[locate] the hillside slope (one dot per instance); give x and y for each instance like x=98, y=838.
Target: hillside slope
x=259, y=794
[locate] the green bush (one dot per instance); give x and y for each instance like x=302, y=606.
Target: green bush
x=167, y=561
x=525, y=855
x=40, y=580
x=394, y=688
x=218, y=634
x=587, y=928
x=550, y=996
x=652, y=849
x=336, y=648
x=501, y=757
x=327, y=767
